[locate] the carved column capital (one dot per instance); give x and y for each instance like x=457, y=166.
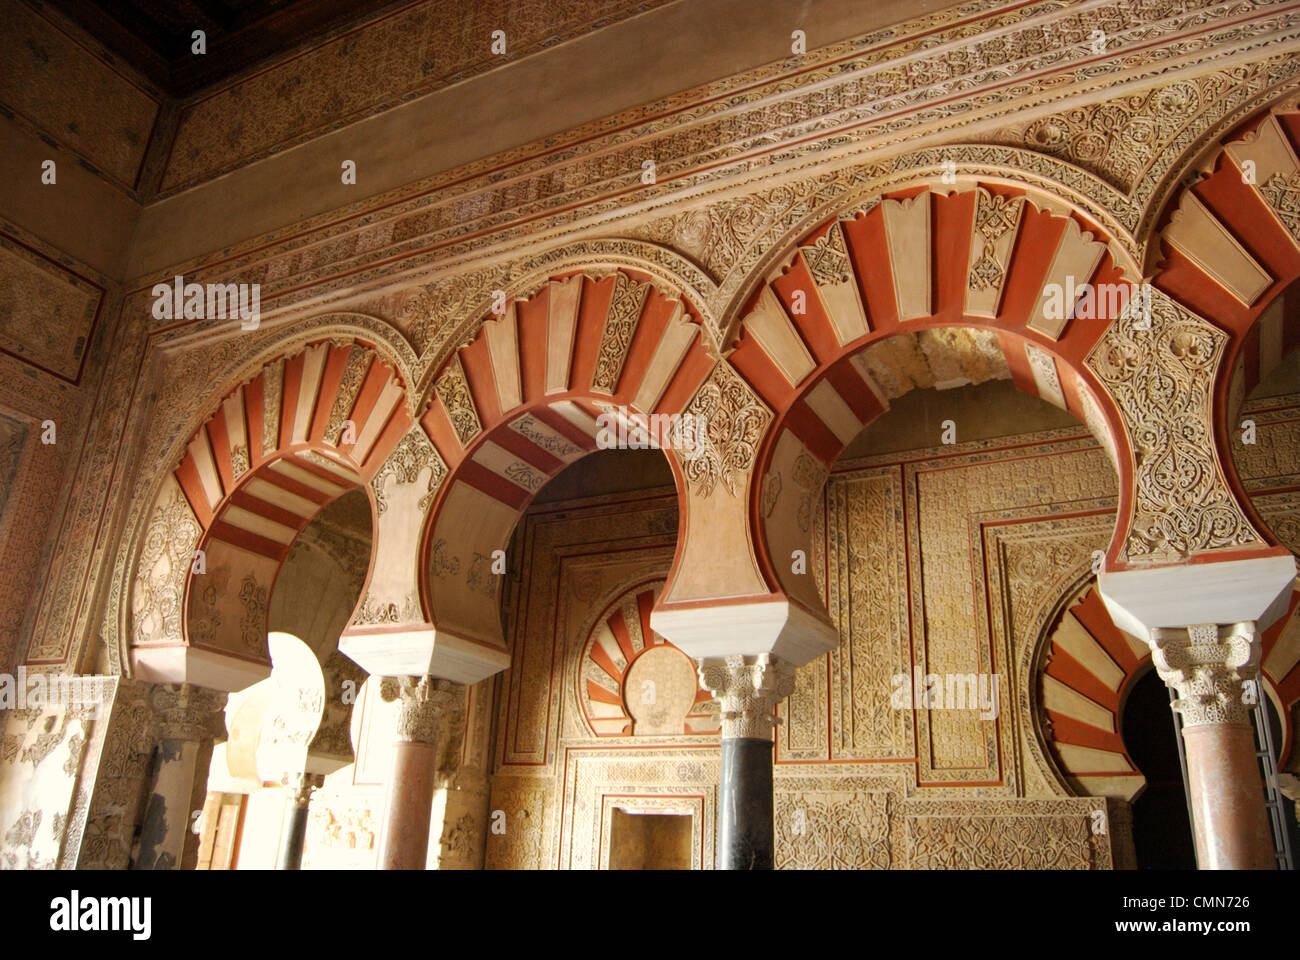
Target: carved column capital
x=426, y=704
x=748, y=689
x=1208, y=665
x=302, y=786
x=188, y=712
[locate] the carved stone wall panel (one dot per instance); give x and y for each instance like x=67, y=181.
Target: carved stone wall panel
x=51, y=755
x=1017, y=835
x=1124, y=138
x=833, y=830
x=40, y=525
x=1280, y=511
x=343, y=828
x=518, y=826
x=13, y=438
x=109, y=796
x=576, y=565
x=1033, y=558
x=421, y=48
x=52, y=349
x=462, y=810
x=1271, y=461
x=166, y=559
x=943, y=547
x=47, y=311
x=86, y=101
x=867, y=599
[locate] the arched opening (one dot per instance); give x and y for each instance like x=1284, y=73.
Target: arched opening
x=590, y=677
x=308, y=430
x=1229, y=247
x=551, y=378
x=628, y=679
x=550, y=381
x=947, y=340
x=297, y=725
x=966, y=498
x=268, y=486
x=932, y=290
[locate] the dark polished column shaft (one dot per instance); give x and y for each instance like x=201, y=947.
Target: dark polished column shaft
x=293, y=827
x=748, y=689
x=745, y=822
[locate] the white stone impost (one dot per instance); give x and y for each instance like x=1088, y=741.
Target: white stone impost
x=188, y=712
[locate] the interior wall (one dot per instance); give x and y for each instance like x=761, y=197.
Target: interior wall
x=65, y=233
x=950, y=559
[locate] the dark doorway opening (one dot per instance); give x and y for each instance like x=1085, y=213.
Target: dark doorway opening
x=1162, y=833
x=650, y=841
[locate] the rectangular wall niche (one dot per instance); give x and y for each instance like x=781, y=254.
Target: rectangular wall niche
x=651, y=839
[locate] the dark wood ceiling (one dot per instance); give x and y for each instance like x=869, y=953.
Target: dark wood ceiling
x=154, y=36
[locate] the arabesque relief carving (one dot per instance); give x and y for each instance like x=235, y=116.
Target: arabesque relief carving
x=746, y=164
x=1162, y=380
x=724, y=424
x=453, y=391
x=625, y=305
x=1283, y=195
x=354, y=374
x=157, y=596
x=413, y=454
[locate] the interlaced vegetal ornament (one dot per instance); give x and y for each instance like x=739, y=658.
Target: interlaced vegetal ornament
x=828, y=257
x=994, y=216
x=721, y=431
x=1283, y=195
x=1161, y=377
x=985, y=274
x=453, y=390
x=621, y=319
x=349, y=389
x=252, y=625
x=413, y=453
x=239, y=461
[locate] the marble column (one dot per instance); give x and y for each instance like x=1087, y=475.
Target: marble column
x=293, y=825
x=748, y=690
x=424, y=703
x=189, y=720
x=1214, y=671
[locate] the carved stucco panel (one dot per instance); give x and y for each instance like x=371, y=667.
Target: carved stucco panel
x=166, y=559
x=1162, y=381
x=403, y=490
